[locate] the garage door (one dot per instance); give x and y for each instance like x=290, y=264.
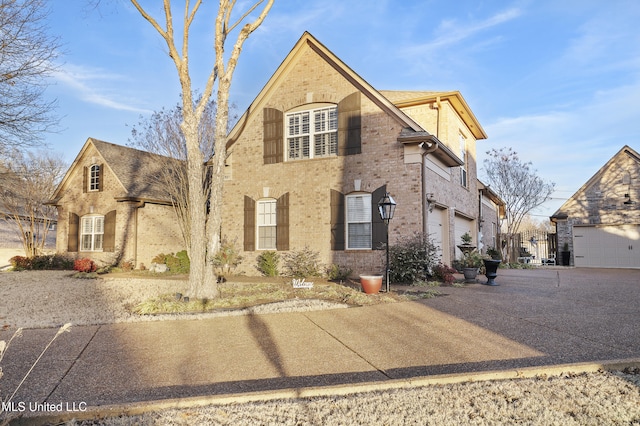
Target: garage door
x=607, y=246
x=462, y=225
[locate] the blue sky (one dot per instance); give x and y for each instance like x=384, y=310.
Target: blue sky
x=558, y=81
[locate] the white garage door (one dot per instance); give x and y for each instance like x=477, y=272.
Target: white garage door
x=435, y=229
x=607, y=246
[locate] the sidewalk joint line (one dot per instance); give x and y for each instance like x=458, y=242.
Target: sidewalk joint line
x=73, y=363
x=384, y=373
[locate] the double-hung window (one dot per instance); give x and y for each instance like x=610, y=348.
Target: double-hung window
x=312, y=133
x=266, y=224
x=92, y=233
x=463, y=157
x=358, y=221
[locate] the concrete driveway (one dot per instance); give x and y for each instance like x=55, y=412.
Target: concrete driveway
x=568, y=314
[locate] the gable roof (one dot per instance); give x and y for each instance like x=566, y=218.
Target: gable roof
x=626, y=150
x=138, y=172
x=408, y=98
x=307, y=41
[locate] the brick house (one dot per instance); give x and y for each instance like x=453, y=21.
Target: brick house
x=319, y=147
x=600, y=223
x=112, y=206
x=307, y=164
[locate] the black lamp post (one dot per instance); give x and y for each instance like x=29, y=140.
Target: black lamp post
x=386, y=208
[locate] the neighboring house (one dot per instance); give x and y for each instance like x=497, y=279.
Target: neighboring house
x=112, y=206
x=600, y=223
x=319, y=147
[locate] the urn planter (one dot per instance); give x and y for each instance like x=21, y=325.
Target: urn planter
x=371, y=284
x=491, y=270
x=470, y=274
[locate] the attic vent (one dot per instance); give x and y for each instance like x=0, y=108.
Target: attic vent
x=626, y=179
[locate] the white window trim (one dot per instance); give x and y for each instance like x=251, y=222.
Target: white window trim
x=464, y=172
x=97, y=229
x=365, y=219
x=307, y=131
x=94, y=181
x=273, y=222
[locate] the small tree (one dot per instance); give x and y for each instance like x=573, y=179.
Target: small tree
x=160, y=134
x=27, y=181
x=518, y=185
x=204, y=208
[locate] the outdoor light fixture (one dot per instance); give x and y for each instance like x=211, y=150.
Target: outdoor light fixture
x=386, y=208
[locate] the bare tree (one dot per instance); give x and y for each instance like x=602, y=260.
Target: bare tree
x=204, y=206
x=161, y=134
x=27, y=54
x=27, y=181
x=518, y=185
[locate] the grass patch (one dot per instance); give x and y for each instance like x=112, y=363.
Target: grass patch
x=239, y=295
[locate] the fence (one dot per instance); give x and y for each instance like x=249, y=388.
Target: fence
x=536, y=247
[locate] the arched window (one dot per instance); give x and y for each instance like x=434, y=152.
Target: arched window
x=91, y=233
x=94, y=177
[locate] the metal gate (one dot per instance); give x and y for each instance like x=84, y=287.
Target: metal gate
x=535, y=247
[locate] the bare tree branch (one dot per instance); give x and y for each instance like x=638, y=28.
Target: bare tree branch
x=518, y=185
x=27, y=56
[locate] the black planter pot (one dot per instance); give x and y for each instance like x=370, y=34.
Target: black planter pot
x=491, y=270
x=566, y=258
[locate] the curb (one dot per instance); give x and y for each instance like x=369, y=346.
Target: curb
x=138, y=408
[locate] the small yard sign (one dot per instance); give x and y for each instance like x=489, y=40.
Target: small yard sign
x=301, y=283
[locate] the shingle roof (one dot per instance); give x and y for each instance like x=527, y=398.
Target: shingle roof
x=139, y=172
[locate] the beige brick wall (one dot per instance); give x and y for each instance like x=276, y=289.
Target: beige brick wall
x=602, y=202
x=309, y=181
x=130, y=219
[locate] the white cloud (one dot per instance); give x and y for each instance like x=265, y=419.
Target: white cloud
x=453, y=32
x=94, y=85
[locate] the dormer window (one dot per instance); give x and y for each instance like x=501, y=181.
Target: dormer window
x=94, y=178
x=312, y=133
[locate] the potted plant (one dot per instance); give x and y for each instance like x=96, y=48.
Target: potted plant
x=471, y=261
x=491, y=265
x=566, y=255
x=371, y=284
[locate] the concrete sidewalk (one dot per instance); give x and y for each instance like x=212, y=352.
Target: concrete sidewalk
x=534, y=318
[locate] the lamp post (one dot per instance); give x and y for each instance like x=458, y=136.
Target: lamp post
x=386, y=208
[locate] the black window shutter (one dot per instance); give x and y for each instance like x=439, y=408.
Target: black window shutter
x=273, y=136
x=378, y=228
x=249, y=224
x=282, y=222
x=73, y=235
x=109, y=241
x=101, y=177
x=349, y=124
x=337, y=220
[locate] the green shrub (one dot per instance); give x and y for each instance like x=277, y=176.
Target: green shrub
x=338, y=273
x=412, y=259
x=269, y=263
x=302, y=263
x=178, y=263
x=42, y=262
